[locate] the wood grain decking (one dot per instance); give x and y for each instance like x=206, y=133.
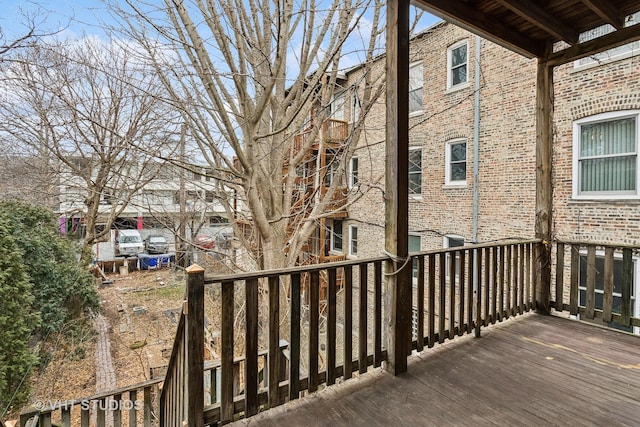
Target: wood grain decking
x=533, y=370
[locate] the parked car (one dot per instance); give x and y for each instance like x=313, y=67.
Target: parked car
x=154, y=244
x=128, y=243
x=204, y=241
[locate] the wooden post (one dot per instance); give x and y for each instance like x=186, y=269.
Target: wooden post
x=544, y=189
x=194, y=328
x=398, y=283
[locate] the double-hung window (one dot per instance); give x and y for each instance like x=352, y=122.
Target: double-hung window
x=337, y=106
x=336, y=236
x=355, y=106
x=353, y=172
x=353, y=240
x=453, y=241
x=456, y=162
x=415, y=170
x=457, y=65
x=605, y=156
x=416, y=84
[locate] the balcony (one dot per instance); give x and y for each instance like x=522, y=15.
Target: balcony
x=332, y=134
x=527, y=367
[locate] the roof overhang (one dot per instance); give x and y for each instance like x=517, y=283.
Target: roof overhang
x=533, y=28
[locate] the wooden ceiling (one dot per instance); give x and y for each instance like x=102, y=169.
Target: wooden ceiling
x=531, y=27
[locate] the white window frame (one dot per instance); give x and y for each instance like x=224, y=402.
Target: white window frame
x=332, y=232
x=414, y=267
x=420, y=73
x=604, y=117
x=450, y=49
x=418, y=194
x=447, y=163
x=337, y=105
x=355, y=106
x=446, y=243
x=354, y=172
x=621, y=52
x=635, y=286
x=353, y=240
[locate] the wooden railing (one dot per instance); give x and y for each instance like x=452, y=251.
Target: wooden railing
x=311, y=363
x=469, y=287
x=131, y=404
x=594, y=281
x=334, y=132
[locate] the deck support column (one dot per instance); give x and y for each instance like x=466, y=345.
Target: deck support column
x=398, y=270
x=194, y=333
x=544, y=186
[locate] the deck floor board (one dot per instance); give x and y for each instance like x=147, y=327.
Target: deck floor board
x=532, y=370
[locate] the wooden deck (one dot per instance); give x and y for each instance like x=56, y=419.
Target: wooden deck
x=533, y=370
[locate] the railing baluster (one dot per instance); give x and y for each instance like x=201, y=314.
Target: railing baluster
x=442, y=305
x=501, y=284
x=521, y=270
x=479, y=291
x=627, y=281
x=528, y=271
x=294, y=345
x=452, y=293
x=274, y=341
x=362, y=320
x=591, y=282
x=66, y=417
x=559, y=276
x=575, y=271
x=470, y=290
x=117, y=413
x=331, y=327
x=420, y=303
x=348, y=322
x=314, y=315
x=377, y=317
x=45, y=419
x=515, y=280
x=251, y=341
x=486, y=295
x=100, y=413
x=147, y=406
x=508, y=281
x=226, y=362
x=431, y=299
x=133, y=396
x=461, y=303
x=607, y=297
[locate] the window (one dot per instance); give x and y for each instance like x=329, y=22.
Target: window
x=415, y=170
x=337, y=106
x=355, y=106
x=453, y=241
x=617, y=53
x=457, y=64
x=456, y=163
x=415, y=244
x=353, y=240
x=599, y=286
x=336, y=236
x=416, y=83
x=353, y=172
x=605, y=156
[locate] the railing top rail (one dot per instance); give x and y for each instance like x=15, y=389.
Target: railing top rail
x=594, y=243
x=324, y=266
x=291, y=270
x=99, y=396
x=506, y=242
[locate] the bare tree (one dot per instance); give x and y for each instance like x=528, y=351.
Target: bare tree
x=95, y=112
x=248, y=75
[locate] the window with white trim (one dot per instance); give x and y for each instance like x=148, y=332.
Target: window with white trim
x=599, y=287
x=335, y=230
x=615, y=54
x=415, y=245
x=456, y=162
x=453, y=241
x=353, y=172
x=415, y=170
x=605, y=156
x=416, y=85
x=337, y=106
x=457, y=65
x=353, y=240
x=355, y=106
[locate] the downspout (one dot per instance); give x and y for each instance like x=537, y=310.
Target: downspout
x=476, y=143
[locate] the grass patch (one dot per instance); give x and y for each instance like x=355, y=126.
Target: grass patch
x=173, y=292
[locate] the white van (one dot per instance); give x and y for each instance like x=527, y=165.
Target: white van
x=128, y=243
